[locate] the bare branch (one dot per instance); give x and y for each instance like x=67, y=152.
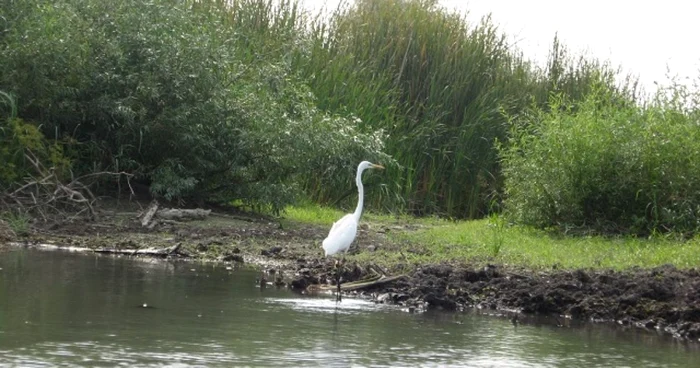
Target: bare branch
x=49, y=198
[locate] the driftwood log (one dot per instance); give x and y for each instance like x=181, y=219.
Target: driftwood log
x=154, y=214
x=174, y=250
x=148, y=215
x=183, y=214
x=357, y=285
x=154, y=252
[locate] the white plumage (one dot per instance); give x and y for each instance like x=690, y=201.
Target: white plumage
x=344, y=230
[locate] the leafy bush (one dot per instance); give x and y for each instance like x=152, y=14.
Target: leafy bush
x=173, y=91
x=606, y=166
x=19, y=138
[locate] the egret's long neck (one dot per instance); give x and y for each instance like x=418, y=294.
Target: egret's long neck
x=361, y=194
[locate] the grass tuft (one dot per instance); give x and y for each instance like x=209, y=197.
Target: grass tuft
x=18, y=222
x=315, y=215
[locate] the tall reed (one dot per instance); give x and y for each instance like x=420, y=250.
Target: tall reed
x=439, y=85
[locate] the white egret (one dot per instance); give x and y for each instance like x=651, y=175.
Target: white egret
x=343, y=232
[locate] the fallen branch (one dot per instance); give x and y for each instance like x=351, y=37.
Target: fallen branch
x=366, y=284
x=183, y=214
x=156, y=252
x=155, y=215
x=151, y=252
x=362, y=284
x=47, y=197
x=150, y=212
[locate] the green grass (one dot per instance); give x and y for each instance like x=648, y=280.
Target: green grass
x=471, y=241
x=18, y=222
x=326, y=216
x=414, y=241
x=316, y=215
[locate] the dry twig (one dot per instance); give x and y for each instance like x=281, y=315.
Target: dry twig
x=47, y=197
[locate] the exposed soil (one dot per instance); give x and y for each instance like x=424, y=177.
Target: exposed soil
x=664, y=299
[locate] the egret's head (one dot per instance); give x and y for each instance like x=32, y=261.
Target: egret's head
x=364, y=165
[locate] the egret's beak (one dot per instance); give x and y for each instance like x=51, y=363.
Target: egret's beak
x=375, y=166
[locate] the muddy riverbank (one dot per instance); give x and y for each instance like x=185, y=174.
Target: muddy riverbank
x=664, y=299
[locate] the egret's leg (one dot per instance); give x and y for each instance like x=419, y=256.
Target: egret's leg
x=339, y=264
x=338, y=297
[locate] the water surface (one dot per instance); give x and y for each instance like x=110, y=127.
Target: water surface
x=68, y=309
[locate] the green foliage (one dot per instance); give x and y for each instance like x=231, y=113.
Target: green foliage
x=577, y=77
x=195, y=97
x=437, y=85
x=19, y=138
x=497, y=223
x=253, y=101
x=605, y=166
x=8, y=153
x=17, y=221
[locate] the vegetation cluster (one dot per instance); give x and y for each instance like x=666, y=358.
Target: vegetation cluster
x=260, y=103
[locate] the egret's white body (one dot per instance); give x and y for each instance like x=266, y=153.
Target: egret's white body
x=343, y=232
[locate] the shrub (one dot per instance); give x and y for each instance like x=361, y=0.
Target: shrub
x=606, y=166
x=175, y=92
x=19, y=138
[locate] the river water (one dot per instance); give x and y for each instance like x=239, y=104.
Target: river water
x=67, y=309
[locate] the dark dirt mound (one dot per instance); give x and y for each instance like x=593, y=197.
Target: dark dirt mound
x=663, y=298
